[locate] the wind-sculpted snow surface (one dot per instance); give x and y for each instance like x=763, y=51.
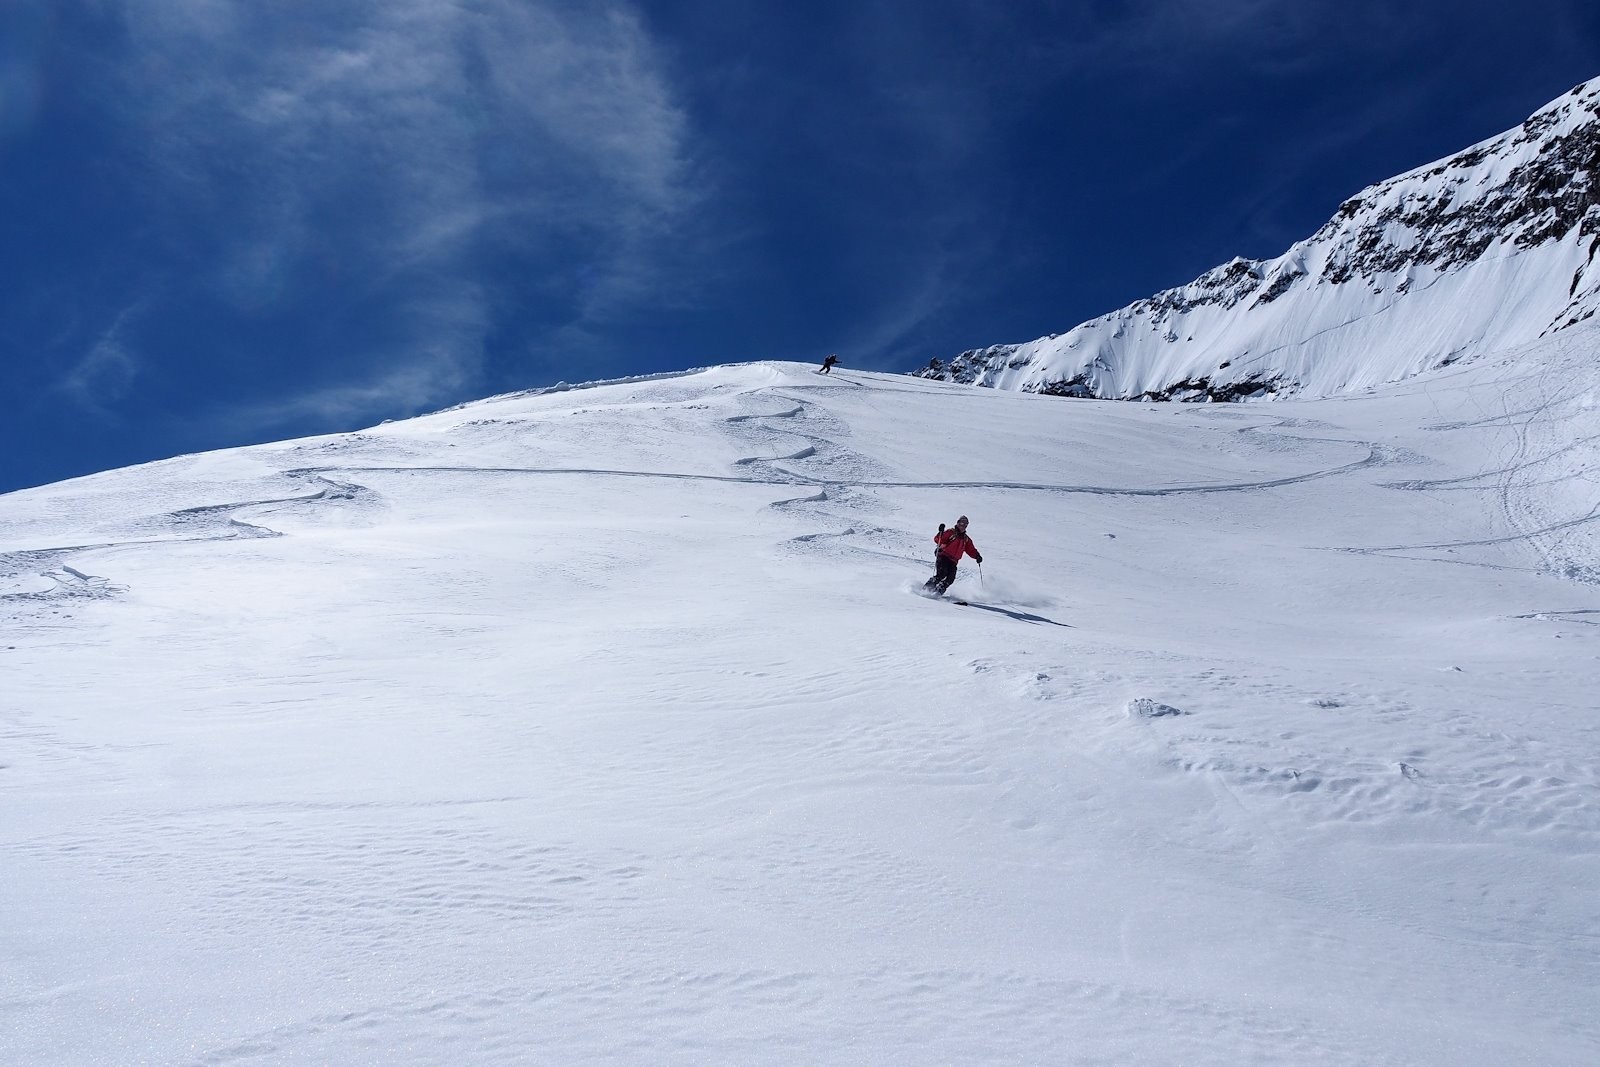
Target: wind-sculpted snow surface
x=1490, y=248
x=604, y=725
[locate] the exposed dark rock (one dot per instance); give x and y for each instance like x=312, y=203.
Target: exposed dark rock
x=1279, y=285
x=1081, y=386
x=1145, y=708
x=1543, y=199
x=1202, y=390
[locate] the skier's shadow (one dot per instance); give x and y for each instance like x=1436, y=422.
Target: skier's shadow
x=1020, y=616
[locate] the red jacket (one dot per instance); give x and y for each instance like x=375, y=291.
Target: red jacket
x=953, y=542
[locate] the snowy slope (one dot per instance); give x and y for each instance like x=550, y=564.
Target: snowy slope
x=605, y=725
x=1490, y=248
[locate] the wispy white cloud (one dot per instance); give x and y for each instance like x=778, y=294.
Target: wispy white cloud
x=405, y=388
x=105, y=373
x=886, y=337
x=603, y=154
x=444, y=328
x=391, y=149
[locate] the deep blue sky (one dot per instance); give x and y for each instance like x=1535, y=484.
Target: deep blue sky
x=231, y=221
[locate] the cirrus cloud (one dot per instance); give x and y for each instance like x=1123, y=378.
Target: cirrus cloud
x=458, y=175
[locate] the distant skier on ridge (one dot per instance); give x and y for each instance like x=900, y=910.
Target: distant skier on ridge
x=827, y=364
x=952, y=545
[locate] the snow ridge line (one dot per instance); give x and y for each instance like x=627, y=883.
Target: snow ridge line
x=568, y=387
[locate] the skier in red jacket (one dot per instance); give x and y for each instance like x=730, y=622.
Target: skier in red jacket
x=953, y=544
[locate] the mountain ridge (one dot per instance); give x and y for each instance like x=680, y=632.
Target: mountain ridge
x=1480, y=251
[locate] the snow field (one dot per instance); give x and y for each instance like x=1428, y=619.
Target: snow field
x=602, y=724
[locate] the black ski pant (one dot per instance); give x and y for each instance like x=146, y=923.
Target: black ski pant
x=944, y=573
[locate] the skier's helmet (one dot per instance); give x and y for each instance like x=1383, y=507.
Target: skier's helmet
x=962, y=522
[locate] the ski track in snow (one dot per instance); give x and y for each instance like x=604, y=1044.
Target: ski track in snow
x=210, y=522
x=223, y=521
x=370, y=774
x=1546, y=411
